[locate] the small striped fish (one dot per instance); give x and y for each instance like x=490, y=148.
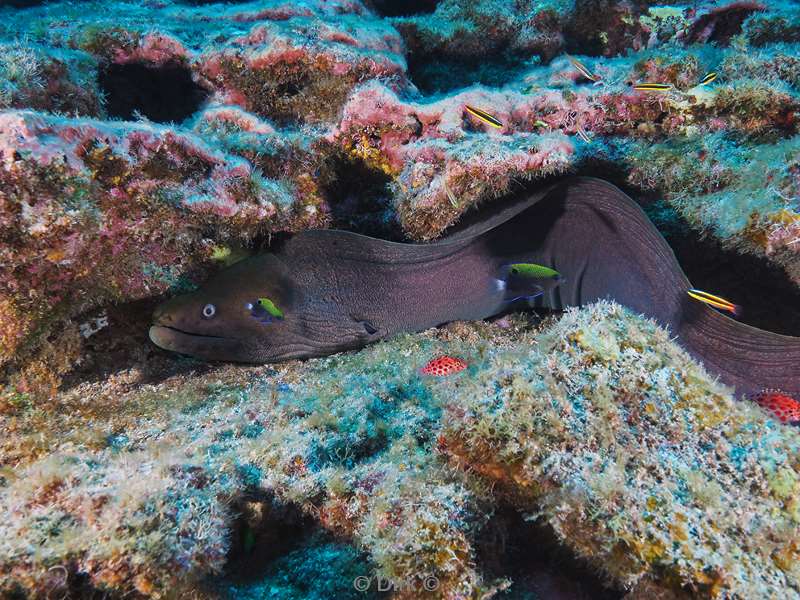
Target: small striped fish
x=483, y=116
x=714, y=301
x=708, y=78
x=652, y=87
x=582, y=68
x=583, y=135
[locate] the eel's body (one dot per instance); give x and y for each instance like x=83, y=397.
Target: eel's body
x=340, y=290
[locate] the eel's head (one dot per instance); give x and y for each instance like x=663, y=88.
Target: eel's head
x=242, y=314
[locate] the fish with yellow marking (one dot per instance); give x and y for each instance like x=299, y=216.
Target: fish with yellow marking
x=484, y=116
x=715, y=301
x=264, y=310
x=450, y=195
x=527, y=281
x=708, y=78
x=228, y=255
x=652, y=87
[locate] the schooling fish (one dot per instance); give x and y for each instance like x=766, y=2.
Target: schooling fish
x=582, y=69
x=339, y=290
x=652, y=87
x=483, y=116
x=715, y=301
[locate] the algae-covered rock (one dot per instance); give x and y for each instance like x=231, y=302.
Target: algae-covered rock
x=637, y=459
x=248, y=119
x=144, y=146
x=598, y=423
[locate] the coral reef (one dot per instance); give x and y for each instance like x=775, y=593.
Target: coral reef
x=95, y=212
x=599, y=424
x=144, y=147
x=631, y=454
x=248, y=117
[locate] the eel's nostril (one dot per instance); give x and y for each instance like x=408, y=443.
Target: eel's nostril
x=160, y=316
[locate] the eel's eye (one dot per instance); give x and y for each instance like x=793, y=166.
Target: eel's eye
x=209, y=310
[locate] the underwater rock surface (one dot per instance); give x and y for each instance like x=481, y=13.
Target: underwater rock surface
x=250, y=118
x=598, y=424
x=143, y=147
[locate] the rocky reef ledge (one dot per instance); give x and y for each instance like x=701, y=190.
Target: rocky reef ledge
x=596, y=425
x=139, y=145
x=145, y=147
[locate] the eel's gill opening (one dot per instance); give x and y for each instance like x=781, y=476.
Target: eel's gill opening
x=161, y=93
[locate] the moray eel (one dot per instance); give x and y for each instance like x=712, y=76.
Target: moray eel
x=338, y=290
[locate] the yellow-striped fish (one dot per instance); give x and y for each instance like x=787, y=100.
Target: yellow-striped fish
x=483, y=116
x=708, y=78
x=715, y=301
x=652, y=87
x=582, y=68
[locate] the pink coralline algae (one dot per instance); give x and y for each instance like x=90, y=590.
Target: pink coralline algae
x=251, y=119
x=95, y=212
x=441, y=160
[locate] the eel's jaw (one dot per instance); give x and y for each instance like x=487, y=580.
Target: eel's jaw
x=205, y=347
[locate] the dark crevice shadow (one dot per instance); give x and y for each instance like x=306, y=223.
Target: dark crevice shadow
x=402, y=8
x=257, y=540
x=436, y=73
x=768, y=298
x=530, y=554
x=162, y=94
x=279, y=552
x=360, y=199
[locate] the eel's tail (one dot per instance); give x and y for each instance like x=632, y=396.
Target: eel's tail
x=745, y=357
x=608, y=248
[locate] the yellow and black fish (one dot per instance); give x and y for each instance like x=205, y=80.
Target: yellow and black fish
x=708, y=78
x=715, y=301
x=483, y=116
x=583, y=135
x=652, y=87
